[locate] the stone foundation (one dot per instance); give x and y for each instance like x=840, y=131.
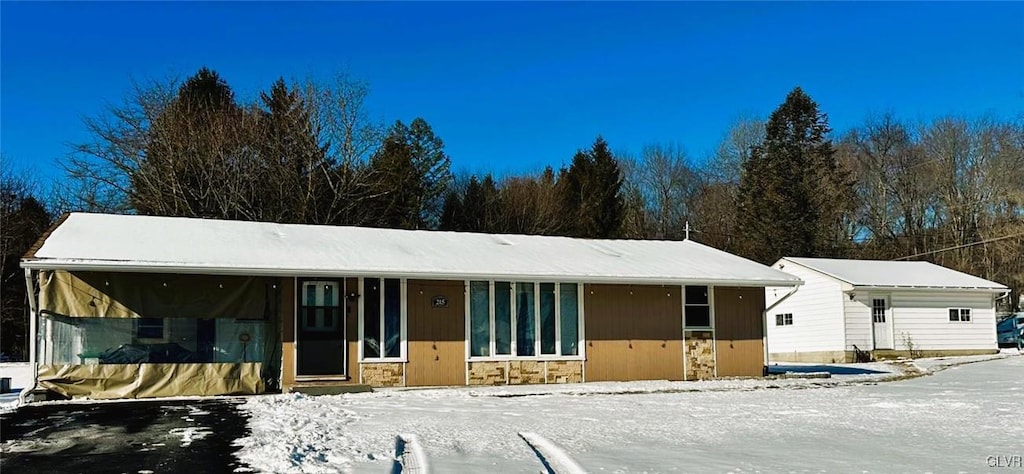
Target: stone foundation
x=565, y=371
x=523, y=372
x=823, y=357
x=700, y=355
x=488, y=373
x=382, y=374
x=837, y=357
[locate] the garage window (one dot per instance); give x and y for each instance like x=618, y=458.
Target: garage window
x=784, y=319
x=959, y=315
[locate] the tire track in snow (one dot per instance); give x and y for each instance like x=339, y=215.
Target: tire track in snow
x=554, y=458
x=409, y=456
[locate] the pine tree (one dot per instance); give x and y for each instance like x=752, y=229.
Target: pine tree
x=417, y=175
x=591, y=194
x=792, y=192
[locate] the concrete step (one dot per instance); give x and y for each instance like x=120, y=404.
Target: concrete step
x=330, y=389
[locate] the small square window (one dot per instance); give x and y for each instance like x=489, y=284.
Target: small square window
x=784, y=319
x=150, y=328
x=959, y=315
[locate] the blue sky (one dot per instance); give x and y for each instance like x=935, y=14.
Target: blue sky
x=512, y=87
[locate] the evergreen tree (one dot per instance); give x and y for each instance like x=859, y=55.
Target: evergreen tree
x=292, y=166
x=591, y=194
x=422, y=167
x=398, y=193
x=793, y=195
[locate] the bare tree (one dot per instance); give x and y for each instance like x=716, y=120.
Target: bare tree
x=668, y=185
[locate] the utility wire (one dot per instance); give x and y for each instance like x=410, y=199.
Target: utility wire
x=980, y=242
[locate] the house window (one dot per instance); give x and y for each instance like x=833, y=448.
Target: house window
x=383, y=318
x=149, y=328
x=523, y=319
x=959, y=315
x=784, y=319
x=878, y=310
x=698, y=307
x=320, y=311
x=480, y=319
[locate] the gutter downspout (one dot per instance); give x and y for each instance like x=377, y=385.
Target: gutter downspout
x=764, y=325
x=33, y=335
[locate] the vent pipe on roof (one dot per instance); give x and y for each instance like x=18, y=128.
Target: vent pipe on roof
x=687, y=230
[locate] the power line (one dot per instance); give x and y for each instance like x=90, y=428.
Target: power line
x=980, y=242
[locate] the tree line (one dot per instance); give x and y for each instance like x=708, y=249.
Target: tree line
x=949, y=190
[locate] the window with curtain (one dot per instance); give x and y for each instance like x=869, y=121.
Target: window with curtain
x=525, y=321
x=502, y=318
x=569, y=317
x=480, y=319
x=382, y=318
x=537, y=319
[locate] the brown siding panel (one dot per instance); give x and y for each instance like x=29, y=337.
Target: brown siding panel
x=738, y=331
x=287, y=332
x=437, y=347
x=352, y=327
x=633, y=332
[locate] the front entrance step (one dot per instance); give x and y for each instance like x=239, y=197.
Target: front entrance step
x=330, y=389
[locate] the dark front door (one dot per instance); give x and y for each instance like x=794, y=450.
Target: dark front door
x=320, y=328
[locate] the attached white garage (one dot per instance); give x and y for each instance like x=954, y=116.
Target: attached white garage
x=884, y=308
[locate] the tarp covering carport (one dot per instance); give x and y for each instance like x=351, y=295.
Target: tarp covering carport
x=121, y=365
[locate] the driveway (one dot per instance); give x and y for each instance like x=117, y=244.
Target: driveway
x=189, y=436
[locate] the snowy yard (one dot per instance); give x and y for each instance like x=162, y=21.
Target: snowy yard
x=951, y=420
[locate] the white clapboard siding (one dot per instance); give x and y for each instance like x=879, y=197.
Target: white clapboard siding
x=817, y=310
x=858, y=321
x=924, y=316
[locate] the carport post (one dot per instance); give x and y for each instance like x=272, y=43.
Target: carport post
x=33, y=313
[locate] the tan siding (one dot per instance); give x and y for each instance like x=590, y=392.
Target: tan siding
x=633, y=332
x=287, y=332
x=352, y=328
x=437, y=348
x=739, y=347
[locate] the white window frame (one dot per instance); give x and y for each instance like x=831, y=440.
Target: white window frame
x=960, y=314
x=513, y=301
x=711, y=309
x=404, y=327
x=318, y=303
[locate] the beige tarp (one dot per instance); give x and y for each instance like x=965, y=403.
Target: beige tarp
x=108, y=381
x=149, y=295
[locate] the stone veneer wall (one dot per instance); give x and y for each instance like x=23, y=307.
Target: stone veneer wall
x=565, y=371
x=518, y=372
x=700, y=355
x=382, y=374
x=488, y=373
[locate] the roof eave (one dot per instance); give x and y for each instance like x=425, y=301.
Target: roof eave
x=130, y=267
x=987, y=289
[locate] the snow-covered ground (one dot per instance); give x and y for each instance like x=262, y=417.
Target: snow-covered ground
x=952, y=420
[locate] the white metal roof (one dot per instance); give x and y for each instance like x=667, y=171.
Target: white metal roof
x=105, y=242
x=891, y=274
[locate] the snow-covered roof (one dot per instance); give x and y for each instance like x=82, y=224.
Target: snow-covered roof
x=105, y=242
x=891, y=274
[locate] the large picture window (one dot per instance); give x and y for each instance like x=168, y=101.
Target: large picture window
x=523, y=319
x=382, y=320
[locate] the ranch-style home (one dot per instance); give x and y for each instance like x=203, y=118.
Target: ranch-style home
x=135, y=306
x=880, y=308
